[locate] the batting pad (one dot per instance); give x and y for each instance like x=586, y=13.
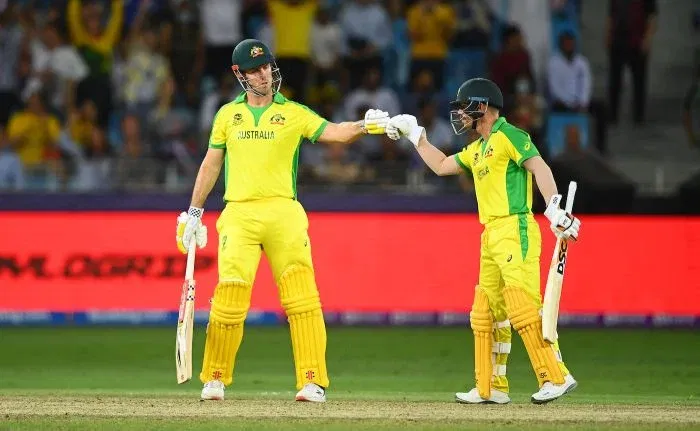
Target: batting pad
x=300, y=300
x=481, y=322
x=525, y=318
x=229, y=308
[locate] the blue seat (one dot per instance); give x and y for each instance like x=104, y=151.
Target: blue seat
x=556, y=130
x=463, y=64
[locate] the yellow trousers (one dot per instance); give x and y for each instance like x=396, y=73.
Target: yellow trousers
x=278, y=227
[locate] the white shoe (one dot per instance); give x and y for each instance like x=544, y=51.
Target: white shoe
x=213, y=390
x=312, y=392
x=550, y=392
x=473, y=397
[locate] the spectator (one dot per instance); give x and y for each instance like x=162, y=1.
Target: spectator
x=431, y=25
x=226, y=91
x=512, y=63
x=222, y=27
x=11, y=170
x=59, y=68
x=533, y=19
x=33, y=134
x=569, y=77
x=133, y=170
x=11, y=37
x=371, y=93
x=338, y=166
x=388, y=166
x=630, y=28
x=423, y=87
x=326, y=42
x=183, y=45
x=367, y=30
x=292, y=43
x=147, y=75
x=96, y=42
x=473, y=24
x=570, y=86
x=691, y=111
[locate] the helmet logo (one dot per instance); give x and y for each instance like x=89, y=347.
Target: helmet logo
x=256, y=51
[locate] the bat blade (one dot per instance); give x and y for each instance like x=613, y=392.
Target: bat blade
x=185, y=323
x=555, y=279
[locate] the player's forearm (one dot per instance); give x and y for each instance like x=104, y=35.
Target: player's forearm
x=350, y=131
x=206, y=178
x=545, y=181
x=431, y=155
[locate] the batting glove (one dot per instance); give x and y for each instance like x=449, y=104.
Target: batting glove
x=376, y=121
x=407, y=126
x=189, y=227
x=563, y=225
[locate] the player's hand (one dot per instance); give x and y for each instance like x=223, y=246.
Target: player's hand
x=563, y=225
x=407, y=126
x=190, y=227
x=376, y=121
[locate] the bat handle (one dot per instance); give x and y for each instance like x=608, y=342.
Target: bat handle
x=189, y=269
x=570, y=197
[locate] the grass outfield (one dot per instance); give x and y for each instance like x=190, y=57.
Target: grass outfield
x=381, y=379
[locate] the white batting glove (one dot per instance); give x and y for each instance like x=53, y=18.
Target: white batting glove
x=563, y=225
x=189, y=227
x=407, y=126
x=376, y=121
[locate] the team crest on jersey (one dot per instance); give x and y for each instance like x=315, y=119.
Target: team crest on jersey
x=489, y=152
x=256, y=51
x=237, y=119
x=277, y=119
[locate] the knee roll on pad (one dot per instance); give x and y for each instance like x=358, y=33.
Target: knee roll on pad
x=481, y=322
x=525, y=318
x=230, y=303
x=298, y=291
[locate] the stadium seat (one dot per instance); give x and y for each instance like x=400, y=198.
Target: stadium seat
x=556, y=130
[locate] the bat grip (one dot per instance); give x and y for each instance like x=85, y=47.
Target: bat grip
x=570, y=197
x=189, y=269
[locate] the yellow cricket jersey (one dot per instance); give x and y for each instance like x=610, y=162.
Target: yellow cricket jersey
x=262, y=146
x=503, y=186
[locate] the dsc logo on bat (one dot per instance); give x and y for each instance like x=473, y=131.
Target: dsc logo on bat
x=561, y=261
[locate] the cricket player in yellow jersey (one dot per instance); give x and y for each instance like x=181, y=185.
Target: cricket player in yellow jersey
x=257, y=138
x=502, y=162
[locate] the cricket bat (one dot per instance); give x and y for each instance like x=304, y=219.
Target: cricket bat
x=555, y=279
x=185, y=321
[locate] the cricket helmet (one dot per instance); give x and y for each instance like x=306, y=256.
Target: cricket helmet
x=250, y=54
x=470, y=95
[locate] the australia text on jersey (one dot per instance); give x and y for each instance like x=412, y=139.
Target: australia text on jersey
x=256, y=134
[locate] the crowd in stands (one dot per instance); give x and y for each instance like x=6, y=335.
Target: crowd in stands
x=120, y=94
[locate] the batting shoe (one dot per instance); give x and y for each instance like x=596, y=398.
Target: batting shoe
x=472, y=397
x=213, y=390
x=550, y=392
x=312, y=392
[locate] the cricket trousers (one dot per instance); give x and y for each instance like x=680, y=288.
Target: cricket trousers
x=278, y=227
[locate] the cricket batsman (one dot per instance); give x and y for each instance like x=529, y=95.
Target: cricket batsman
x=257, y=137
x=502, y=161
